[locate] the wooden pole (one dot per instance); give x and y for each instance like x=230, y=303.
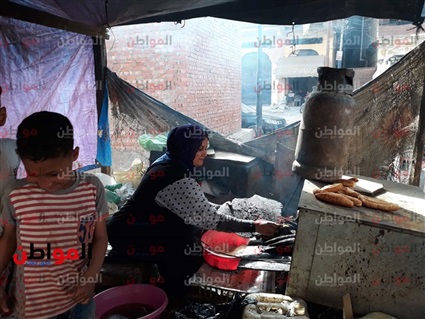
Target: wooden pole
x=420, y=138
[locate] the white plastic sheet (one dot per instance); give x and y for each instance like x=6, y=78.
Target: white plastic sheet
x=45, y=69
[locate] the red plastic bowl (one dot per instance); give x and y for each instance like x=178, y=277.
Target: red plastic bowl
x=138, y=293
x=217, y=245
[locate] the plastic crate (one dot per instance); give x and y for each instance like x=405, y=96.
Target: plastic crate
x=213, y=294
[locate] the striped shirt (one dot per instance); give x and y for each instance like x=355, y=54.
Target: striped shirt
x=58, y=225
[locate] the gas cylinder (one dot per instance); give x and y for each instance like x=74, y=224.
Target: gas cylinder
x=327, y=127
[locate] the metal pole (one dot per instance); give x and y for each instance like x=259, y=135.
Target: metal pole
x=361, y=42
x=341, y=40
x=328, y=44
x=259, y=112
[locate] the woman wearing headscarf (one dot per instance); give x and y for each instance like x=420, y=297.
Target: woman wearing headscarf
x=168, y=211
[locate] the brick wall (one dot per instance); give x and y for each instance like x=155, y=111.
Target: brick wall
x=194, y=67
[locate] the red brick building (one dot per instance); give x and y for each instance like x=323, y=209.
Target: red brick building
x=193, y=67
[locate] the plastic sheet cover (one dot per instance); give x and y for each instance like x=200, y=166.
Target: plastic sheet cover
x=45, y=69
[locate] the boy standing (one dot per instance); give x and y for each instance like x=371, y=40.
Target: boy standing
x=9, y=160
x=54, y=224
x=9, y=164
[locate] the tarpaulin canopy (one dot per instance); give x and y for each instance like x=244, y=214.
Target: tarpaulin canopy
x=93, y=16
x=42, y=70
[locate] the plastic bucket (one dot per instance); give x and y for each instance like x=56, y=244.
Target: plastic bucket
x=217, y=247
x=148, y=295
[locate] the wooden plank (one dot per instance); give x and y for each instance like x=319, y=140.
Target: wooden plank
x=347, y=308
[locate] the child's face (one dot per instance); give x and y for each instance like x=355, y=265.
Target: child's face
x=52, y=174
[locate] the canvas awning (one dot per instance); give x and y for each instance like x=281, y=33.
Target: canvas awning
x=94, y=16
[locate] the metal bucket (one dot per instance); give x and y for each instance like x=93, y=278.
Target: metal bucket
x=326, y=128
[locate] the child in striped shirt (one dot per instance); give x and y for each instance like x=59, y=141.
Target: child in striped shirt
x=54, y=224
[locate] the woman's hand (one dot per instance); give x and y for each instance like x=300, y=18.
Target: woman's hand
x=266, y=228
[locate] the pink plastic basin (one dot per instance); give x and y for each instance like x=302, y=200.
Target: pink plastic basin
x=138, y=293
x=217, y=246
